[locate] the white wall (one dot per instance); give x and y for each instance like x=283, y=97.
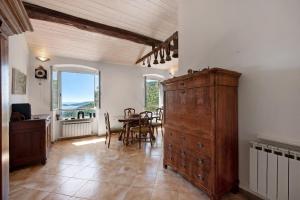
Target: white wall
x=121, y=87
x=19, y=59
x=261, y=40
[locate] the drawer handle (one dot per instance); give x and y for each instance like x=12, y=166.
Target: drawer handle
x=200, y=161
x=182, y=83
x=170, y=146
x=201, y=177
x=200, y=145
x=183, y=153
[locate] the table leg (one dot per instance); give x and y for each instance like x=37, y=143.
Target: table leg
x=122, y=134
x=120, y=137
x=127, y=133
x=152, y=133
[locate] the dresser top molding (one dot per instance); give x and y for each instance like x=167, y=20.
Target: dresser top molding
x=215, y=70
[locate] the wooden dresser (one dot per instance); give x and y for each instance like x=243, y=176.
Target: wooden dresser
x=29, y=141
x=201, y=129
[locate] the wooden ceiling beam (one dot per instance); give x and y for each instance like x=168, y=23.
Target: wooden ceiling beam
x=46, y=14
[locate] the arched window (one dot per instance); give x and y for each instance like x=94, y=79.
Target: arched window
x=153, y=91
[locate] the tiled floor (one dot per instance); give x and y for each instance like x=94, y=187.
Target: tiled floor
x=86, y=169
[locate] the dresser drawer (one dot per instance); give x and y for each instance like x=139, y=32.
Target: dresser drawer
x=201, y=178
x=184, y=162
x=199, y=145
x=201, y=162
x=201, y=171
x=170, y=155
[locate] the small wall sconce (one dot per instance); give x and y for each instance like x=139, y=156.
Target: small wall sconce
x=42, y=58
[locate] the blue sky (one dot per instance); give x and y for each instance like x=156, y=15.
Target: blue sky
x=77, y=87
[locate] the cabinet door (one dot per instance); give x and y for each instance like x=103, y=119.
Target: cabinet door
x=202, y=100
x=184, y=163
x=181, y=102
x=201, y=177
x=29, y=145
x=170, y=144
x=170, y=105
x=200, y=110
x=170, y=157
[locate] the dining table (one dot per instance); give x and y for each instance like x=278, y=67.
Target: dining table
x=133, y=120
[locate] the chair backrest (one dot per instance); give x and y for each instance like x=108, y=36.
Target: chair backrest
x=107, y=122
x=159, y=112
x=145, y=119
x=129, y=111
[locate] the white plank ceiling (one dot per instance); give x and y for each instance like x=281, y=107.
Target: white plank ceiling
x=153, y=18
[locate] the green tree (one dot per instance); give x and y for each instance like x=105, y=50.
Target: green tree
x=152, y=95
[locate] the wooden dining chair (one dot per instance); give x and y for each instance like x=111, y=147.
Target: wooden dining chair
x=158, y=121
x=128, y=111
x=144, y=128
x=110, y=130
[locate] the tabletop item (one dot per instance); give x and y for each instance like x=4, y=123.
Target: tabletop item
x=129, y=111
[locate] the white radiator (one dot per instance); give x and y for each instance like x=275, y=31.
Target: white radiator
x=275, y=170
x=75, y=128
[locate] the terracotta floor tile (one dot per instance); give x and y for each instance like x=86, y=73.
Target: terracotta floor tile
x=23, y=175
x=161, y=194
x=27, y=194
x=94, y=172
x=144, y=181
x=70, y=187
x=93, y=189
x=113, y=192
x=187, y=196
x=86, y=173
x=54, y=168
x=71, y=170
x=45, y=182
x=57, y=197
x=122, y=179
x=139, y=194
x=184, y=186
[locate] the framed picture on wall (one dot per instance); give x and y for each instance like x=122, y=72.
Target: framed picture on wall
x=18, y=82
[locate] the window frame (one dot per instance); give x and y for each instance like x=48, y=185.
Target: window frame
x=59, y=82
x=145, y=90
